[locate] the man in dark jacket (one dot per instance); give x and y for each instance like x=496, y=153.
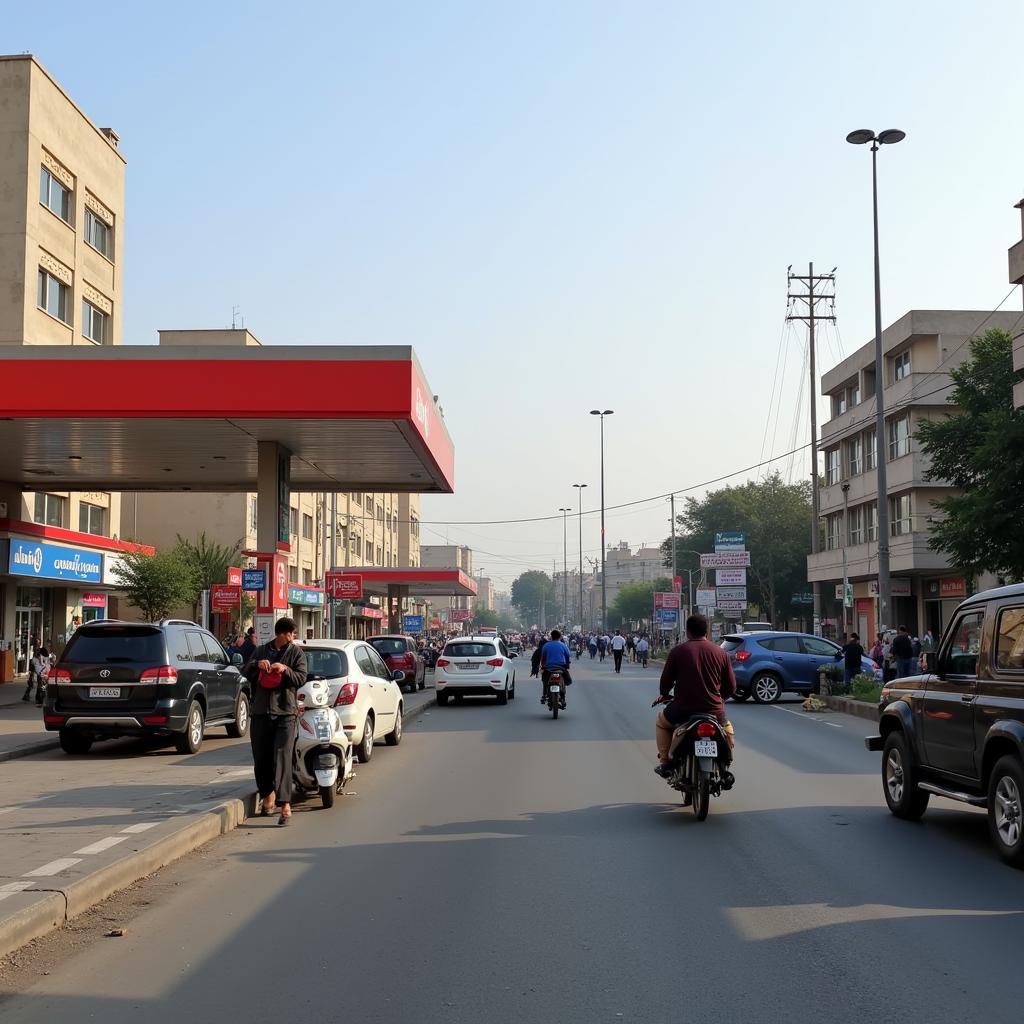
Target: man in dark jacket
x=248, y=645
x=903, y=652
x=276, y=672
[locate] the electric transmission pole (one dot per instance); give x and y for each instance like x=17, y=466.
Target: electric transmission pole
x=811, y=316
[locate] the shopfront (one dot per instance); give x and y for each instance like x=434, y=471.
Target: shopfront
x=941, y=597
x=307, y=605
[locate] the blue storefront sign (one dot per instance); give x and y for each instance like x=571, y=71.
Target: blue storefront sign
x=412, y=623
x=310, y=598
x=54, y=562
x=254, y=580
x=730, y=537
x=667, y=618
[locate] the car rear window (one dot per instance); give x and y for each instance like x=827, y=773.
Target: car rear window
x=114, y=644
x=470, y=650
x=326, y=663
x=384, y=647
x=730, y=644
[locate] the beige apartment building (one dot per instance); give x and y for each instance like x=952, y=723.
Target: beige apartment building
x=1016, y=262
x=484, y=593
x=919, y=351
x=622, y=566
x=449, y=556
x=62, y=182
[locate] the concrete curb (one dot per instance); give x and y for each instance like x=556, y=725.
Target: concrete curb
x=60, y=905
x=852, y=707
x=38, y=747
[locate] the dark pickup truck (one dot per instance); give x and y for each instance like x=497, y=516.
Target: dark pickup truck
x=958, y=732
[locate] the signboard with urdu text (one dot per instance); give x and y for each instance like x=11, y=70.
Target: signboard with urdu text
x=345, y=586
x=731, y=577
x=731, y=594
x=725, y=560
x=706, y=597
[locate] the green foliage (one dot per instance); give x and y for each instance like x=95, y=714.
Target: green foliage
x=776, y=518
x=633, y=602
x=980, y=450
x=155, y=584
x=208, y=563
x=485, y=617
x=530, y=591
x=866, y=688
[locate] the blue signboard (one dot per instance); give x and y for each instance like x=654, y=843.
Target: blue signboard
x=412, y=623
x=53, y=562
x=254, y=579
x=300, y=595
x=667, y=618
x=730, y=537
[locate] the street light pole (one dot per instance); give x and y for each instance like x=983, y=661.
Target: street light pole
x=565, y=565
x=887, y=138
x=604, y=582
x=579, y=488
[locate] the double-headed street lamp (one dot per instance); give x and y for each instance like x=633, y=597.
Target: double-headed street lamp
x=579, y=488
x=565, y=566
x=887, y=138
x=604, y=585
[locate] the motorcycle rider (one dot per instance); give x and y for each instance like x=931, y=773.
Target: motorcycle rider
x=554, y=655
x=697, y=680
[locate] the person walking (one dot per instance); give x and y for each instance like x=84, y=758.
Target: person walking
x=38, y=668
x=643, y=649
x=852, y=655
x=903, y=653
x=248, y=648
x=602, y=646
x=592, y=646
x=276, y=671
x=618, y=646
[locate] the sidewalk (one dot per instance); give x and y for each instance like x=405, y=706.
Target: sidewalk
x=21, y=725
x=80, y=828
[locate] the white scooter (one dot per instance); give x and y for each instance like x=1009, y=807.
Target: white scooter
x=323, y=753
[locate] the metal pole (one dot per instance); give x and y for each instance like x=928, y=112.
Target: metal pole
x=672, y=503
x=815, y=504
x=604, y=587
x=884, y=590
x=329, y=561
x=845, y=538
x=579, y=487
x=565, y=563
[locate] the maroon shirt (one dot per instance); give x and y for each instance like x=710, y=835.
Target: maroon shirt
x=703, y=679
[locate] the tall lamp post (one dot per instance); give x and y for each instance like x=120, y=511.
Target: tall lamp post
x=579, y=488
x=604, y=582
x=565, y=565
x=887, y=138
x=689, y=575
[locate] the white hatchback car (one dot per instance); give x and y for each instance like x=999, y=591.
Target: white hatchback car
x=475, y=666
x=362, y=691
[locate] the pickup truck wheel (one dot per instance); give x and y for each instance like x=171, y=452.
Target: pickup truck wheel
x=899, y=779
x=1005, y=810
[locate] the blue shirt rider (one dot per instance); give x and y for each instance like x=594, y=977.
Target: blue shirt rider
x=554, y=654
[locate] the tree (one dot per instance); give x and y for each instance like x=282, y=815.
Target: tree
x=530, y=592
x=485, y=617
x=155, y=584
x=633, y=602
x=979, y=449
x=208, y=563
x=776, y=518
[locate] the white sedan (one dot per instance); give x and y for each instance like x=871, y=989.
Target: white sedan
x=362, y=691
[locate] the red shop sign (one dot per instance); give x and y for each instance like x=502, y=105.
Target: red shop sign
x=953, y=586
x=345, y=586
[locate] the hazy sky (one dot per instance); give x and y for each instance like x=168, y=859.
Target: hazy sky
x=561, y=205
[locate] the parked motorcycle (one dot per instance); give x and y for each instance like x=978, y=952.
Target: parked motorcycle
x=556, y=691
x=699, y=758
x=324, y=755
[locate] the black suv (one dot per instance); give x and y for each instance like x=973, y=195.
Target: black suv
x=132, y=678
x=958, y=732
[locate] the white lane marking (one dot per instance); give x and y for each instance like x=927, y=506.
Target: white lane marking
x=804, y=717
x=143, y=826
x=53, y=868
x=13, y=888
x=7, y=810
x=101, y=845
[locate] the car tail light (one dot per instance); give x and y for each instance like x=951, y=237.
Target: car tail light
x=347, y=695
x=706, y=729
x=496, y=662
x=166, y=674
x=742, y=655
x=154, y=719
x=53, y=719
x=442, y=663
x=60, y=676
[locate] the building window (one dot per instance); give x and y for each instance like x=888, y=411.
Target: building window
x=414, y=527
x=901, y=365
x=855, y=529
x=54, y=296
x=293, y=574
x=307, y=527
x=833, y=530
x=90, y=518
x=871, y=521
x=355, y=543
x=293, y=522
x=369, y=502
x=856, y=452
x=870, y=449
x=54, y=196
x=833, y=466
x=899, y=515
x=368, y=551
x=357, y=498
x=95, y=323
x=307, y=576
x=253, y=506
x=899, y=437
x=99, y=234
x=855, y=394
x=380, y=513
x=380, y=555
x=839, y=403
x=50, y=509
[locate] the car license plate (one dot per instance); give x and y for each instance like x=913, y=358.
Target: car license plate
x=104, y=691
x=705, y=748
x=555, y=689
x=470, y=666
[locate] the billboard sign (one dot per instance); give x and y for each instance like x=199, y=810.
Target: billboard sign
x=666, y=599
x=345, y=586
x=706, y=597
x=732, y=606
x=412, y=623
x=732, y=594
x=234, y=576
x=254, y=580
x=459, y=615
x=897, y=588
x=731, y=577
x=725, y=560
x=225, y=598
x=53, y=562
x=667, y=618
x=730, y=537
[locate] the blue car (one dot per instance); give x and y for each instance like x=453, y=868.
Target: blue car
x=768, y=664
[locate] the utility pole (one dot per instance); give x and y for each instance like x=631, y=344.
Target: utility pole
x=672, y=503
x=811, y=317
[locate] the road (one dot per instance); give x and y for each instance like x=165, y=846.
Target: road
x=502, y=866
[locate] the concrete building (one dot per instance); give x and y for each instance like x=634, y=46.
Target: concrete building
x=1016, y=262
x=449, y=556
x=622, y=566
x=919, y=350
x=61, y=266
x=484, y=593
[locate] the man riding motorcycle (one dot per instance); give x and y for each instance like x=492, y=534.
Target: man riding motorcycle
x=553, y=655
x=697, y=680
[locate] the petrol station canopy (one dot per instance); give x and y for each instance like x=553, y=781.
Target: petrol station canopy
x=422, y=582
x=181, y=418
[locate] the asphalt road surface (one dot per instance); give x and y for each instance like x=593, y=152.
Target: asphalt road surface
x=500, y=866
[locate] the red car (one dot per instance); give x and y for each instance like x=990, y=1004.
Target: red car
x=400, y=654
